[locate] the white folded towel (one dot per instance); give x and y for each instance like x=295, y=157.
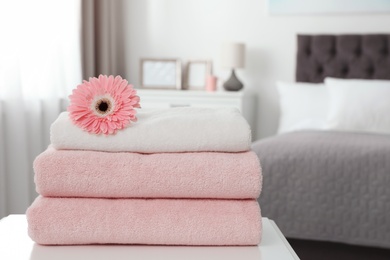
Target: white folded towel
x=162, y=130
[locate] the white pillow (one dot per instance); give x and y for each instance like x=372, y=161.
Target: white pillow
x=359, y=105
x=303, y=106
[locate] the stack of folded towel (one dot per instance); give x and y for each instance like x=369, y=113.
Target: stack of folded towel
x=180, y=176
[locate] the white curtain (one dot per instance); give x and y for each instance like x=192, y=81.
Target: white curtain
x=40, y=63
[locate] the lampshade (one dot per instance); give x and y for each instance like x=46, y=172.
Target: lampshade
x=233, y=55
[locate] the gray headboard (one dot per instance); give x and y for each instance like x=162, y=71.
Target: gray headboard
x=343, y=56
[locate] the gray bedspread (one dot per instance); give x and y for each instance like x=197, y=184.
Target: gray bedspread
x=330, y=186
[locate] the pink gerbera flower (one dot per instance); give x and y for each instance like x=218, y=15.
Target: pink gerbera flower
x=103, y=105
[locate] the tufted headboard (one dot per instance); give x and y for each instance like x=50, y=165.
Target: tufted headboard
x=343, y=56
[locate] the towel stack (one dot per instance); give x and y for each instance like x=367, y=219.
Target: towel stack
x=180, y=176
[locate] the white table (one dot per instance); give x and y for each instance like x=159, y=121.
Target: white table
x=16, y=244
x=243, y=100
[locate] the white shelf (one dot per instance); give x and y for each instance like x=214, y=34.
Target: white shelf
x=193, y=93
x=243, y=100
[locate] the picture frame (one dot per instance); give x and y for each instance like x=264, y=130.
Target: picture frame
x=158, y=73
x=324, y=7
x=196, y=74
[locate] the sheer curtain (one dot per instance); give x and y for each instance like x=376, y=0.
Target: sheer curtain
x=40, y=63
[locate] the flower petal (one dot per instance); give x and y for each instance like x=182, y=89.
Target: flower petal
x=122, y=96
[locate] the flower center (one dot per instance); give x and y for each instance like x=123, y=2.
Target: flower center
x=103, y=106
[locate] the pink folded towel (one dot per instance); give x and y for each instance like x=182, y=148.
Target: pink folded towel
x=72, y=173
x=70, y=221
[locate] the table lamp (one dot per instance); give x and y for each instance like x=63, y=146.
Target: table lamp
x=233, y=57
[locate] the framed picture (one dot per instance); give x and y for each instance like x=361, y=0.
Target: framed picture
x=160, y=73
x=196, y=74
x=327, y=7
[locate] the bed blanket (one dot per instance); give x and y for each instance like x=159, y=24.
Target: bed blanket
x=330, y=186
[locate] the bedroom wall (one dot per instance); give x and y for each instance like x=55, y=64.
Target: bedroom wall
x=195, y=29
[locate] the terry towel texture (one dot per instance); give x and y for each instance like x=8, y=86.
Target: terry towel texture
x=180, y=176
x=67, y=221
x=72, y=173
x=163, y=130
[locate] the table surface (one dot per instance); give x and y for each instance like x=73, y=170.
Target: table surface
x=16, y=244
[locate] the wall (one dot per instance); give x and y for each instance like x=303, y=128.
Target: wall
x=195, y=29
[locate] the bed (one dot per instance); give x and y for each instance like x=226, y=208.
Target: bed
x=331, y=185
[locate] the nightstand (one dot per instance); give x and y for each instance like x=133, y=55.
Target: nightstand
x=243, y=100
